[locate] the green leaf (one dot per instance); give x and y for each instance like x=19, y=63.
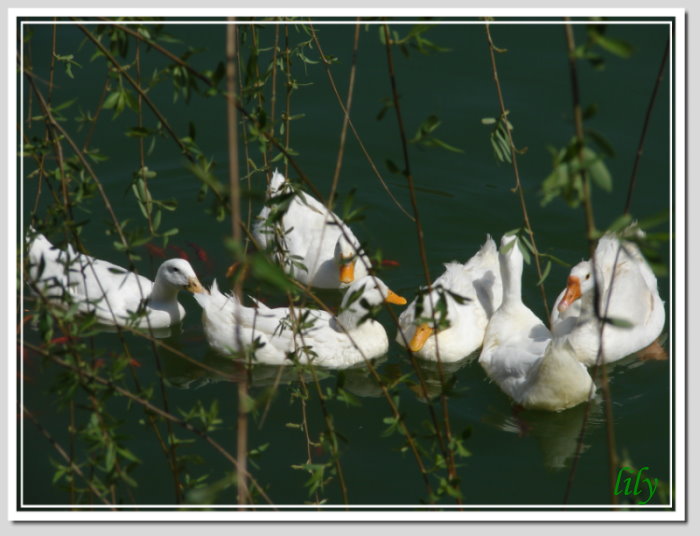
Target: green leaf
x=590, y=111
x=61, y=470
x=655, y=220
x=525, y=239
x=505, y=249
x=63, y=105
x=392, y=167
x=614, y=46
x=347, y=397
x=620, y=223
x=443, y=145
x=603, y=144
x=248, y=403
x=202, y=170
x=523, y=250
x=497, y=150
x=126, y=453
x=111, y=100
x=556, y=259
x=110, y=457
x=597, y=170
x=424, y=135
x=126, y=478
x=270, y=273
x=138, y=132
x=545, y=273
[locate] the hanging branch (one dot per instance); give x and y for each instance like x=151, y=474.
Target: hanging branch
x=630, y=190
x=68, y=458
x=345, y=107
x=514, y=161
x=449, y=454
x=155, y=409
x=591, y=232
x=232, y=125
x=346, y=116
x=171, y=452
x=138, y=89
x=647, y=117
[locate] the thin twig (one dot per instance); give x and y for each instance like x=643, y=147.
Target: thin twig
x=346, y=116
x=171, y=452
x=412, y=444
x=98, y=110
x=448, y=452
x=590, y=231
x=155, y=409
x=234, y=184
x=246, y=155
x=305, y=424
x=332, y=437
x=647, y=117
x=345, y=107
x=288, y=95
x=138, y=89
x=516, y=172
x=68, y=458
x=52, y=66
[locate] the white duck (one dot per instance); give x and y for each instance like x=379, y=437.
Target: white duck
x=311, y=243
x=470, y=292
x=114, y=294
x=634, y=301
x=320, y=338
x=519, y=353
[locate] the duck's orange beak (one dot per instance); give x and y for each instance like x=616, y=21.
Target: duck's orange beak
x=194, y=286
x=423, y=332
x=573, y=293
x=347, y=272
x=394, y=298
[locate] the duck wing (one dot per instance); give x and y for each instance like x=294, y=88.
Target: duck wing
x=95, y=284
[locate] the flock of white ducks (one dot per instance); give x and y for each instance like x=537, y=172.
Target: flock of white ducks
x=471, y=306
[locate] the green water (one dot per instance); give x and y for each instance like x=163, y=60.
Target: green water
x=516, y=458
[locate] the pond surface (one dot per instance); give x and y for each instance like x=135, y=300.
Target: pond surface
x=517, y=457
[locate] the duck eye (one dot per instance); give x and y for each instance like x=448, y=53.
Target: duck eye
x=588, y=276
x=174, y=269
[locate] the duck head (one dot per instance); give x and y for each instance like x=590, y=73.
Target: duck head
x=436, y=307
x=578, y=284
x=347, y=257
x=175, y=275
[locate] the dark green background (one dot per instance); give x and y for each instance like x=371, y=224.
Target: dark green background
x=516, y=458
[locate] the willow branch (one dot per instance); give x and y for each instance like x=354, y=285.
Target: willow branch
x=234, y=182
x=346, y=116
x=449, y=454
x=647, y=117
x=148, y=405
x=590, y=230
x=516, y=172
x=73, y=467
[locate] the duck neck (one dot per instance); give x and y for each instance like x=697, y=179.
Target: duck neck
x=511, y=275
x=350, y=318
x=162, y=291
